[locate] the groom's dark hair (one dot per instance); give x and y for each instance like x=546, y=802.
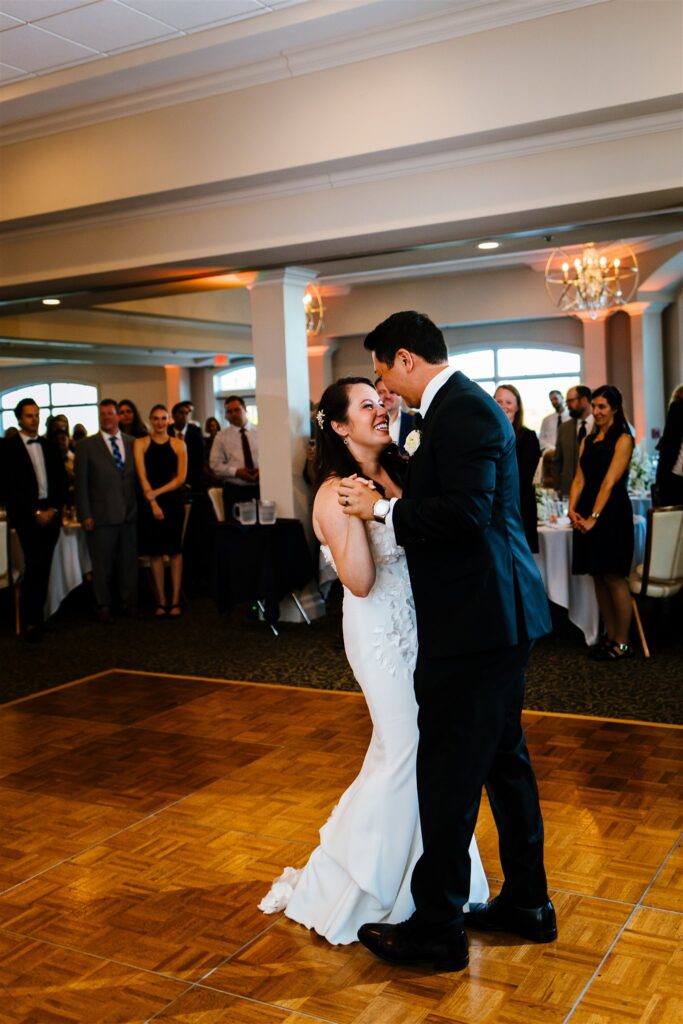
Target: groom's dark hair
x=410, y=330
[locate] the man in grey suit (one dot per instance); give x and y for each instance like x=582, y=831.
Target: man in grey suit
x=570, y=435
x=107, y=508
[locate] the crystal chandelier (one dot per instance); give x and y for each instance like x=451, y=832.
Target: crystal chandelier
x=314, y=310
x=594, y=280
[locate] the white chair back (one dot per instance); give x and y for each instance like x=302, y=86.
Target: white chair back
x=216, y=496
x=666, y=552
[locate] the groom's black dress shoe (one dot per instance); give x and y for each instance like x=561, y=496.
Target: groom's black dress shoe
x=537, y=924
x=445, y=950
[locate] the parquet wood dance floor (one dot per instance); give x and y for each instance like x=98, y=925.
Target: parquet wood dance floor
x=142, y=818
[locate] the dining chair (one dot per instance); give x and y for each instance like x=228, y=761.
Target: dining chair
x=661, y=574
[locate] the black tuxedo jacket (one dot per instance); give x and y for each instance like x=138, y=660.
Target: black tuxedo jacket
x=475, y=583
x=194, y=442
x=21, y=485
x=670, y=443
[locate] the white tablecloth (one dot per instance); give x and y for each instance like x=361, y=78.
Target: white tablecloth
x=640, y=503
x=575, y=593
x=70, y=562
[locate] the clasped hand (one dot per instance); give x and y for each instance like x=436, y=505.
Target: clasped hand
x=580, y=524
x=357, y=496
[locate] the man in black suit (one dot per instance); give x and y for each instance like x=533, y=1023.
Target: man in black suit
x=669, y=490
x=191, y=434
x=480, y=604
x=36, y=488
x=106, y=502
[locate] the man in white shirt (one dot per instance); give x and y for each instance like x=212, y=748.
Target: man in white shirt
x=400, y=421
x=234, y=455
x=550, y=425
x=570, y=436
x=36, y=491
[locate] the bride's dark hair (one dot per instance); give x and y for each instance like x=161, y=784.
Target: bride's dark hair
x=333, y=457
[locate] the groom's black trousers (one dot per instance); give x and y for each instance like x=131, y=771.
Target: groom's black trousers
x=470, y=737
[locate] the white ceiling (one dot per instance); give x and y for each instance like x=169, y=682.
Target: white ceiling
x=41, y=36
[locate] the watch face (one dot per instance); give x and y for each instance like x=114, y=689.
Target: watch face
x=381, y=507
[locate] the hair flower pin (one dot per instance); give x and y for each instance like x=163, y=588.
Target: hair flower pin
x=320, y=418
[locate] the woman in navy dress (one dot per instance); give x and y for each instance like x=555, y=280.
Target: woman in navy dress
x=602, y=518
x=161, y=464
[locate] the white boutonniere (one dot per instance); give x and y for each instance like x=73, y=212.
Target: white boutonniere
x=412, y=442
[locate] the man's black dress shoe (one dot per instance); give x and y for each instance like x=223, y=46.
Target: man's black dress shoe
x=445, y=950
x=537, y=924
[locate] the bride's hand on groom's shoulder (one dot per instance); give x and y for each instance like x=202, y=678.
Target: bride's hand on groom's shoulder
x=357, y=496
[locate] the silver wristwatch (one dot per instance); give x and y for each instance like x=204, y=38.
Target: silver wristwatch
x=380, y=510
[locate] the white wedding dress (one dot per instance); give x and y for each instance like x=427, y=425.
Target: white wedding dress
x=361, y=870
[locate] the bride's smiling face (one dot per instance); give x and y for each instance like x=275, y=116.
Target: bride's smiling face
x=367, y=421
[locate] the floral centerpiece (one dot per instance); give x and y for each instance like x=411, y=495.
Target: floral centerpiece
x=641, y=472
x=545, y=503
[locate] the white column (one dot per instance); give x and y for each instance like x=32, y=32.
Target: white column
x=201, y=382
x=174, y=381
x=278, y=327
x=279, y=342
x=594, y=350
x=320, y=355
x=647, y=370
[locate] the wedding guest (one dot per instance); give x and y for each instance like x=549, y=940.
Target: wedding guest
x=35, y=486
x=570, y=435
x=211, y=428
x=191, y=434
x=106, y=503
x=550, y=425
x=234, y=455
x=602, y=518
x=63, y=442
x=79, y=434
x=528, y=453
x=161, y=465
x=400, y=421
x=130, y=420
x=669, y=480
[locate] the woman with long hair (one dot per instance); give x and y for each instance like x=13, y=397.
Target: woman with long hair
x=161, y=465
x=362, y=868
x=602, y=518
x=130, y=420
x=528, y=453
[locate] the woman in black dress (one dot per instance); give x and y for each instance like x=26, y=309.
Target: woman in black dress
x=602, y=518
x=528, y=454
x=161, y=464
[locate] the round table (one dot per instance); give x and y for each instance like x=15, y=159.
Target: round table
x=575, y=593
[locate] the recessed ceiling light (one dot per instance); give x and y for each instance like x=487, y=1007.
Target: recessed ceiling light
x=488, y=245
x=52, y=302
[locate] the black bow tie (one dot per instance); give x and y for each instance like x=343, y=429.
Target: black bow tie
x=34, y=440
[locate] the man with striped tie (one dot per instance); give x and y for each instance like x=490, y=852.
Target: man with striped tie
x=107, y=509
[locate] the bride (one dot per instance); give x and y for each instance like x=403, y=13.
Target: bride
x=361, y=870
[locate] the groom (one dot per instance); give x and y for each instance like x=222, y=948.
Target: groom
x=480, y=604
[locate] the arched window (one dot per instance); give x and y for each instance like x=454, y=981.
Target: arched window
x=239, y=381
x=78, y=402
x=533, y=371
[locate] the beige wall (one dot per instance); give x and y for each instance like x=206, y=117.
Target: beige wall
x=351, y=359
x=143, y=385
